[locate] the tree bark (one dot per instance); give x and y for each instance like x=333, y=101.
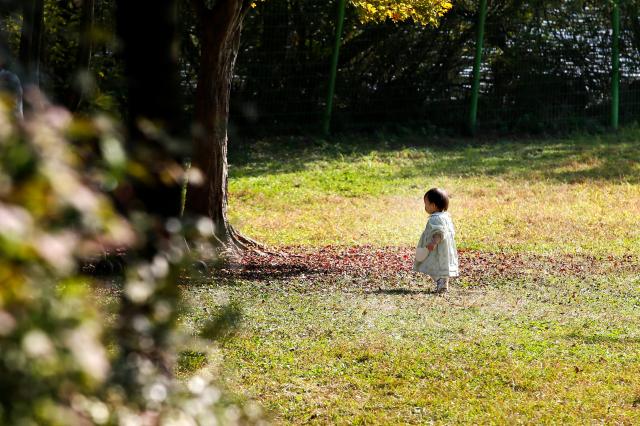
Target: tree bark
x=219, y=30
x=31, y=39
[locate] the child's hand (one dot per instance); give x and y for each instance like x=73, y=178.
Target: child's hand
x=434, y=242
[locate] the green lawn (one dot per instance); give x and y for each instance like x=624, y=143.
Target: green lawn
x=574, y=195
x=554, y=337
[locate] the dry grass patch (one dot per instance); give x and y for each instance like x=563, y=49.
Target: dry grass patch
x=578, y=195
x=490, y=214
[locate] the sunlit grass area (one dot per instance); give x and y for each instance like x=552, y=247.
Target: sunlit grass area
x=539, y=344
x=560, y=351
x=579, y=194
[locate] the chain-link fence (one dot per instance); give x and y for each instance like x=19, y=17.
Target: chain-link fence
x=546, y=66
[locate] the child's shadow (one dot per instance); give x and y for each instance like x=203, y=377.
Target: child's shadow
x=403, y=291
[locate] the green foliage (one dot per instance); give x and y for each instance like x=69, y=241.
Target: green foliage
x=51, y=352
x=62, y=74
x=546, y=68
x=55, y=363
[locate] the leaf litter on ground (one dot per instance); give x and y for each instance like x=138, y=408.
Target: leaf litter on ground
x=369, y=268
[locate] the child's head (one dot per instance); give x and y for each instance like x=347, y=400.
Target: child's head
x=436, y=200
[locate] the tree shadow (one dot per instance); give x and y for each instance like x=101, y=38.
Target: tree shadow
x=402, y=291
x=599, y=339
x=572, y=159
x=260, y=272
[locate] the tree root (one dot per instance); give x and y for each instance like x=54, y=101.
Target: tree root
x=228, y=249
x=246, y=244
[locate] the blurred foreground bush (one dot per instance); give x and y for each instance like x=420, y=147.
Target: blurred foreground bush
x=55, y=368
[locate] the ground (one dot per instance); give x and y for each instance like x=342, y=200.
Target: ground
x=541, y=327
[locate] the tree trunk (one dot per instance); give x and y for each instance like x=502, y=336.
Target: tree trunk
x=85, y=43
x=147, y=32
x=219, y=29
x=31, y=39
x=83, y=56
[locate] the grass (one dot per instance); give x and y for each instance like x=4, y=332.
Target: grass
x=563, y=351
x=580, y=194
x=541, y=346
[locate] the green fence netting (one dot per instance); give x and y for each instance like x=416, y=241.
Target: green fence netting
x=547, y=66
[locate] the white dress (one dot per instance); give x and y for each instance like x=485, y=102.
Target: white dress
x=442, y=262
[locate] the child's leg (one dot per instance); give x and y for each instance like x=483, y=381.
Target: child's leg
x=442, y=284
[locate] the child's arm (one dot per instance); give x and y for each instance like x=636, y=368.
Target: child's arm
x=437, y=238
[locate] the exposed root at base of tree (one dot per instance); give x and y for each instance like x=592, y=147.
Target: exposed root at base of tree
x=247, y=244
x=229, y=249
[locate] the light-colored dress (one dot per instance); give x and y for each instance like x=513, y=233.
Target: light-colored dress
x=442, y=262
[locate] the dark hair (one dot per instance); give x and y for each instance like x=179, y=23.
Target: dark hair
x=438, y=197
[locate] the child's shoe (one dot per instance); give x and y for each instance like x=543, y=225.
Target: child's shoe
x=442, y=285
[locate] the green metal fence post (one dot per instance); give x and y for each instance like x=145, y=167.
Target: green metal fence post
x=326, y=122
x=475, y=88
x=615, y=66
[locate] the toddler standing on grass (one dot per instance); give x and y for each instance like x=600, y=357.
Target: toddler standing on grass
x=436, y=254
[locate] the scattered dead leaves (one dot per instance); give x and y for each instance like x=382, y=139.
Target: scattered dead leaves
x=366, y=267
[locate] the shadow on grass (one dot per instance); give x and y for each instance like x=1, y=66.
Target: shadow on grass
x=267, y=273
x=603, y=339
x=403, y=291
x=569, y=159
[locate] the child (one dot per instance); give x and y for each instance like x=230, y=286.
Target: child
x=436, y=254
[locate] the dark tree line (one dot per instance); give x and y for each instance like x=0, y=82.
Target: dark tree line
x=543, y=59
x=546, y=66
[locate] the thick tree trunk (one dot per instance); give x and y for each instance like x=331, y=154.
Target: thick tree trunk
x=31, y=39
x=147, y=30
x=220, y=29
